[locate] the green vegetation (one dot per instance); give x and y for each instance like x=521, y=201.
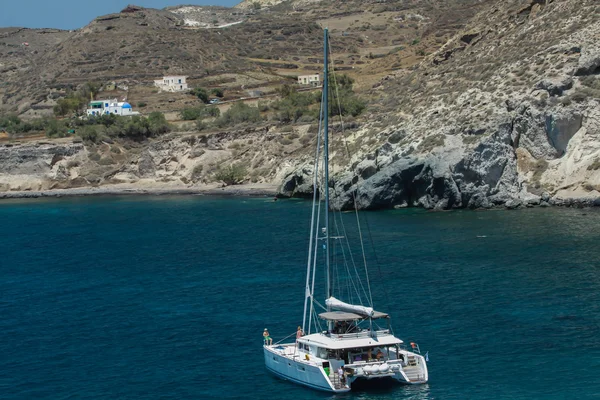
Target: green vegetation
x=91, y=129
x=295, y=105
x=343, y=100
x=76, y=100
x=304, y=106
x=94, y=129
x=237, y=114
x=200, y=93
x=197, y=172
x=232, y=174
x=195, y=113
x=217, y=92
x=13, y=125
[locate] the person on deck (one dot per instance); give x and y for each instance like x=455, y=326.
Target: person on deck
x=267, y=338
x=340, y=372
x=299, y=333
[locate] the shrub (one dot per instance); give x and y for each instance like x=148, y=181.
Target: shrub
x=191, y=114
x=195, y=113
x=56, y=129
x=90, y=133
x=217, y=92
x=201, y=93
x=263, y=106
x=239, y=113
x=197, y=172
x=211, y=112
x=233, y=174
x=157, y=124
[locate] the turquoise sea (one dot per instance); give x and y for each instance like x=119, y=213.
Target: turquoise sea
x=167, y=297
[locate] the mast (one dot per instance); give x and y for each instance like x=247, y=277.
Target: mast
x=326, y=153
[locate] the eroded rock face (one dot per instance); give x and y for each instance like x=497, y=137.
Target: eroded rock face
x=34, y=160
x=489, y=170
x=480, y=177
x=299, y=183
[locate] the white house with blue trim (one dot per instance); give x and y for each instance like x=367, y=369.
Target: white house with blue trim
x=111, y=106
x=175, y=83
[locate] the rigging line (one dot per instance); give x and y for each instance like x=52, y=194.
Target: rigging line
x=314, y=266
x=351, y=257
x=351, y=287
x=312, y=227
x=337, y=93
x=285, y=338
x=358, y=278
x=326, y=152
x=377, y=263
x=355, y=191
x=320, y=305
x=317, y=321
x=344, y=141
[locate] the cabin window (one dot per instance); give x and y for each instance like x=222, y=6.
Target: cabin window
x=321, y=353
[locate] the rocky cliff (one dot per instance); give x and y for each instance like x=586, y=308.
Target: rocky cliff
x=505, y=113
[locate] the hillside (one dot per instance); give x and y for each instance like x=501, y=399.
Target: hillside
x=471, y=103
x=214, y=44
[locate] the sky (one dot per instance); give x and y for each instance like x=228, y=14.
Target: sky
x=73, y=14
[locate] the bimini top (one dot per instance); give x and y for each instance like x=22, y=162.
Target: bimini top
x=348, y=316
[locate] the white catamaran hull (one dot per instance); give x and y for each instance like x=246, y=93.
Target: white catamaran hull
x=283, y=362
x=298, y=371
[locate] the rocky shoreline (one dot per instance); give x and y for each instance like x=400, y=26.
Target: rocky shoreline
x=271, y=190
x=249, y=190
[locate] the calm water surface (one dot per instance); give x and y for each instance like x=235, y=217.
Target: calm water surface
x=167, y=297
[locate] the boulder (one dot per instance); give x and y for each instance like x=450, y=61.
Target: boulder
x=513, y=204
x=589, y=61
x=555, y=86
x=298, y=183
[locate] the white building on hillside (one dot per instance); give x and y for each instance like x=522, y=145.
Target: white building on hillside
x=111, y=106
x=313, y=80
x=172, y=83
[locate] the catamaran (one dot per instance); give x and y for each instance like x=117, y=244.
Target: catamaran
x=346, y=343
